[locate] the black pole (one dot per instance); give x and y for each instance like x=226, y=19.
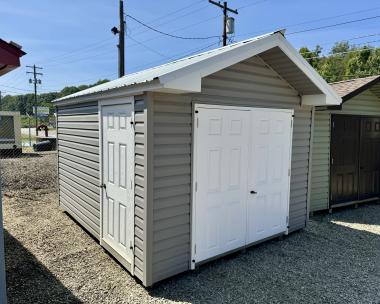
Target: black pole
x=35, y=82
x=35, y=97
x=224, y=23
x=121, y=40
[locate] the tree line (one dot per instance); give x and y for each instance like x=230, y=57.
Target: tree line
x=24, y=102
x=343, y=61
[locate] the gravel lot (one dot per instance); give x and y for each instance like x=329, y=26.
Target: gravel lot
x=50, y=259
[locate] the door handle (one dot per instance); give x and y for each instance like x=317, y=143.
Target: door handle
x=103, y=186
x=253, y=192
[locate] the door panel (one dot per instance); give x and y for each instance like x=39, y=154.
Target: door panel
x=268, y=177
x=221, y=158
x=345, y=134
x=235, y=149
x=369, y=185
x=118, y=175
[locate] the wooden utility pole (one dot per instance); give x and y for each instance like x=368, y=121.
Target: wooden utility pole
x=35, y=81
x=121, y=32
x=226, y=9
x=121, y=40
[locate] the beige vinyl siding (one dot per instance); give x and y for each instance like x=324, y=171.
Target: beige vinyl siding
x=78, y=164
x=251, y=83
x=320, y=169
x=140, y=187
x=365, y=103
x=172, y=185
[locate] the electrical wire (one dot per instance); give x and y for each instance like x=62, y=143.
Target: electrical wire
x=308, y=22
x=147, y=47
x=15, y=88
x=343, y=53
x=346, y=40
x=334, y=25
x=168, y=34
x=171, y=14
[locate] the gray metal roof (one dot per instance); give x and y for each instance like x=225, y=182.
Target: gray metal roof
x=185, y=75
x=150, y=74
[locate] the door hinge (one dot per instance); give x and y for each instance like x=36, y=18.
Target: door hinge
x=195, y=249
x=197, y=122
x=333, y=124
x=287, y=220
x=131, y=246
x=332, y=160
x=196, y=186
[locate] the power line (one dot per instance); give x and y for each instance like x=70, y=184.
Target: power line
x=177, y=56
x=91, y=46
x=168, y=34
x=308, y=22
x=343, y=53
x=173, y=13
x=333, y=25
x=15, y=88
x=346, y=40
x=147, y=47
x=251, y=4
x=173, y=19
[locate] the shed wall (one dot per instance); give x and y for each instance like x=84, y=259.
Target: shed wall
x=365, y=103
x=251, y=83
x=78, y=164
x=140, y=187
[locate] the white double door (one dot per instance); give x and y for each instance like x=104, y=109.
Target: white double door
x=242, y=177
x=118, y=179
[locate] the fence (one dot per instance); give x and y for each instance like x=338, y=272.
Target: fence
x=25, y=153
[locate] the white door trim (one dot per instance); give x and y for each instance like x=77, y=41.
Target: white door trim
x=195, y=138
x=101, y=104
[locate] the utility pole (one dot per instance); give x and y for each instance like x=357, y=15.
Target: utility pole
x=35, y=81
x=226, y=9
x=121, y=32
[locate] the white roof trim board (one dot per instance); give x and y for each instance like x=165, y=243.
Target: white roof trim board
x=185, y=75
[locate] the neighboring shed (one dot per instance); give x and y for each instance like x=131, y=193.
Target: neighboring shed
x=346, y=147
x=179, y=164
x=10, y=133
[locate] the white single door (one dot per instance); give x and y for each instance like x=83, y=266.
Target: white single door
x=221, y=157
x=269, y=173
x=118, y=179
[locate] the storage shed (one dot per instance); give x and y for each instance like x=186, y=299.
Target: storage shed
x=346, y=147
x=10, y=133
x=182, y=163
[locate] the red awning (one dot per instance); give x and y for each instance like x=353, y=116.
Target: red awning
x=10, y=54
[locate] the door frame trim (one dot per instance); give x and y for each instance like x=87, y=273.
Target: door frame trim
x=195, y=106
x=101, y=105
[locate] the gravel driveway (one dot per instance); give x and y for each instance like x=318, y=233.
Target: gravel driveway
x=50, y=259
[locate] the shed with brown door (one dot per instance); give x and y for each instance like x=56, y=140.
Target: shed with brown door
x=346, y=146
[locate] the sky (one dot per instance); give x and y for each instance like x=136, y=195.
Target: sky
x=72, y=40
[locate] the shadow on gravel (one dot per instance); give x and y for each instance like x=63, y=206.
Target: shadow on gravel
x=28, y=281
x=326, y=263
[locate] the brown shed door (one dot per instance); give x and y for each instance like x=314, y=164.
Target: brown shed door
x=369, y=177
x=345, y=139
x=355, y=158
